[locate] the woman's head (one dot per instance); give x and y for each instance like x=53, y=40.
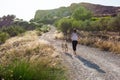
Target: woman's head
x=74, y=30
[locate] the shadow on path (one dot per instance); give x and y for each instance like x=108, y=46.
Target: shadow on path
x=69, y=55
x=90, y=64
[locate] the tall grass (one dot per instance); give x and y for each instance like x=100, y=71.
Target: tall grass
x=113, y=46
x=23, y=70
x=27, y=58
x=109, y=46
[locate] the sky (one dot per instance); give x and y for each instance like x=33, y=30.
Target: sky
x=25, y=9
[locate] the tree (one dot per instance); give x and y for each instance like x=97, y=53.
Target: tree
x=65, y=25
x=7, y=20
x=81, y=13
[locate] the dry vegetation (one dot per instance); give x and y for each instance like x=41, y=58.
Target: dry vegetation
x=104, y=41
x=59, y=35
x=29, y=48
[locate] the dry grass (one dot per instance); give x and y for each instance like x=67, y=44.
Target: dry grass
x=27, y=47
x=109, y=46
x=27, y=57
x=102, y=44
x=59, y=35
x=86, y=41
x=108, y=42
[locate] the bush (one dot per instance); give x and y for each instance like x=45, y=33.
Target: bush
x=23, y=70
x=13, y=30
x=114, y=23
x=109, y=46
x=44, y=28
x=95, y=25
x=65, y=25
x=3, y=37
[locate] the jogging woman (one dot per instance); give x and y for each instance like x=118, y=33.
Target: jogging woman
x=74, y=38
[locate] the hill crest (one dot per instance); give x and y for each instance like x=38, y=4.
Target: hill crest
x=96, y=9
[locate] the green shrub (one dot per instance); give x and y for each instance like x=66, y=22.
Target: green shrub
x=44, y=28
x=3, y=37
x=114, y=23
x=23, y=70
x=13, y=30
x=17, y=71
x=65, y=25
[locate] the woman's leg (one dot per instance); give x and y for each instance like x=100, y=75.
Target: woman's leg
x=74, y=44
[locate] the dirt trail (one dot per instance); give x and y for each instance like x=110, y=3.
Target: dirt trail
x=89, y=64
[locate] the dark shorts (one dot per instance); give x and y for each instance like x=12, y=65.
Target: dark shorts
x=74, y=44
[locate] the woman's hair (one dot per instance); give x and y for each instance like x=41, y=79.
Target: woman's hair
x=74, y=30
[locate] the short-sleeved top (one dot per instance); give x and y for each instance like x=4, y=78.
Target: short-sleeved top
x=74, y=36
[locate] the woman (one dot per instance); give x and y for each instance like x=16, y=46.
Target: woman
x=74, y=38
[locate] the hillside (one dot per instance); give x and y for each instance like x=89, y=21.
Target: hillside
x=97, y=10
x=100, y=10
x=53, y=14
